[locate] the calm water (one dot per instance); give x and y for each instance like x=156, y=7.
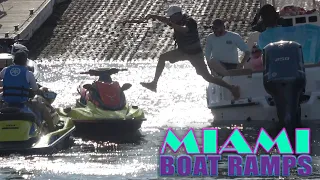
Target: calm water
x=179, y=103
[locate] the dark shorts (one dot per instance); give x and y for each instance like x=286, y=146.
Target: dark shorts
x=229, y=66
x=196, y=59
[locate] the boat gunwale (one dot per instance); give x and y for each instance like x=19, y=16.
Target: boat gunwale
x=242, y=72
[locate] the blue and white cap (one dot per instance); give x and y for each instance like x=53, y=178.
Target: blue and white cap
x=16, y=47
x=173, y=9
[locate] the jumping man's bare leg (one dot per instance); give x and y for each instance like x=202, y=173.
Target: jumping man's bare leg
x=171, y=56
x=235, y=90
x=153, y=84
x=197, y=60
x=217, y=67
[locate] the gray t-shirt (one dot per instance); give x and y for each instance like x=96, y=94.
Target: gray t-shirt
x=225, y=48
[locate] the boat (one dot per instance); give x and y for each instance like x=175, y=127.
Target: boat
x=256, y=104
x=24, y=131
x=6, y=56
x=113, y=120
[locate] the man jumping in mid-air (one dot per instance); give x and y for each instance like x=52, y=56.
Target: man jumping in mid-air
x=189, y=48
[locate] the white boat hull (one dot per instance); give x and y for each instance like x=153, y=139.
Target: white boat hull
x=254, y=105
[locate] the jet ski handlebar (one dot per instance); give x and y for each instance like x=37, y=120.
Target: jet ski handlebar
x=99, y=72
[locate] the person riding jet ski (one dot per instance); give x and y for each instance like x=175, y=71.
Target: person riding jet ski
x=105, y=94
x=17, y=81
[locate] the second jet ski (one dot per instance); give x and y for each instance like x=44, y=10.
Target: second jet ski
x=102, y=108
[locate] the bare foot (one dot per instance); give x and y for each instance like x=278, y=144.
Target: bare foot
x=151, y=86
x=235, y=92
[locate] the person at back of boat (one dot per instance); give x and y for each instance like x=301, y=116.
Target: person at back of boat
x=307, y=35
x=17, y=83
x=222, y=46
x=255, y=62
x=267, y=9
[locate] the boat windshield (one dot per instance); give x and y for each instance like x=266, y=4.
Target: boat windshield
x=307, y=35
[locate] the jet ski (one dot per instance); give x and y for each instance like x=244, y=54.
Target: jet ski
x=24, y=131
x=9, y=46
x=103, y=109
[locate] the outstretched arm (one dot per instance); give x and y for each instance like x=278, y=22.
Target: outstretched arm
x=167, y=21
x=33, y=83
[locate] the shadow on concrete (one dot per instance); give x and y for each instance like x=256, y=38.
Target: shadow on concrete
x=2, y=14
x=43, y=35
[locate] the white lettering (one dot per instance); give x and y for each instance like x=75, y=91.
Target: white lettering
x=282, y=59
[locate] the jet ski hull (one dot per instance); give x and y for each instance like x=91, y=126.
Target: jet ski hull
x=89, y=119
x=48, y=144
x=116, y=127
x=21, y=132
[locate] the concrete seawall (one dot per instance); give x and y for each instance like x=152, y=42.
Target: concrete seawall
x=21, y=18
x=94, y=25
x=92, y=29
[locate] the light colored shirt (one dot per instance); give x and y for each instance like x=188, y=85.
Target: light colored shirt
x=308, y=36
x=225, y=48
x=30, y=78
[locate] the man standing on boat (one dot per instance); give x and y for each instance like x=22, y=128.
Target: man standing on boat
x=302, y=34
x=222, y=46
x=265, y=10
x=189, y=48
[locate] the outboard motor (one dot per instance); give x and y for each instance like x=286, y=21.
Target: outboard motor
x=285, y=80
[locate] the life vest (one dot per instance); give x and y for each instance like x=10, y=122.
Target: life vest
x=16, y=88
x=257, y=63
x=107, y=95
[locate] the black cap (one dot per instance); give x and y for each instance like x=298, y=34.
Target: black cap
x=267, y=9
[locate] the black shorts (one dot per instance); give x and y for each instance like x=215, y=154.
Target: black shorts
x=229, y=66
x=196, y=59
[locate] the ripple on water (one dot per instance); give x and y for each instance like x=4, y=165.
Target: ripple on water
x=179, y=103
